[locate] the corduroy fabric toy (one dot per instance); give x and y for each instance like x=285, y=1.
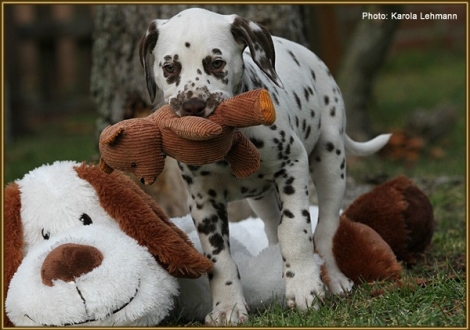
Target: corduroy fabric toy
x=139, y=145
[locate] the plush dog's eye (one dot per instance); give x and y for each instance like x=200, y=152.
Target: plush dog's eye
x=85, y=218
x=45, y=234
x=218, y=64
x=133, y=165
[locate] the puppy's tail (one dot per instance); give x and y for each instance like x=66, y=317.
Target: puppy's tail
x=365, y=148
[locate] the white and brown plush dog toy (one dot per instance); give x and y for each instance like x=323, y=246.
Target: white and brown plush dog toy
x=90, y=249
x=86, y=248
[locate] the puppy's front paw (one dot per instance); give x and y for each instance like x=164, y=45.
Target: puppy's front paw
x=304, y=287
x=226, y=314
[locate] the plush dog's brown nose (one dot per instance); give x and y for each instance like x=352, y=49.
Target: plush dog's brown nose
x=194, y=107
x=69, y=261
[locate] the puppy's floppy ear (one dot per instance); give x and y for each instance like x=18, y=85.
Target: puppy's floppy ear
x=13, y=234
x=260, y=42
x=146, y=45
x=142, y=219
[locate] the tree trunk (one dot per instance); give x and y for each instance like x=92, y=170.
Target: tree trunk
x=362, y=61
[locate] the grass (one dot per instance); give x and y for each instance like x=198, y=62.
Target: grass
x=428, y=306
x=408, y=81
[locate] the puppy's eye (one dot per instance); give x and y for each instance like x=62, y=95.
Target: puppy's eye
x=85, y=218
x=133, y=165
x=169, y=68
x=45, y=234
x=218, y=64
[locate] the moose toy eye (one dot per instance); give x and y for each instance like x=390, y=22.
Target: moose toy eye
x=85, y=218
x=45, y=234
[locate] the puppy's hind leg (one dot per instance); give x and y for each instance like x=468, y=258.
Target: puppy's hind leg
x=329, y=176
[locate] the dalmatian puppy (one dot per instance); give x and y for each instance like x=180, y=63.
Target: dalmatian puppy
x=197, y=59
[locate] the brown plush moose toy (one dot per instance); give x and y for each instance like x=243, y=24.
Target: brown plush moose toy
x=139, y=145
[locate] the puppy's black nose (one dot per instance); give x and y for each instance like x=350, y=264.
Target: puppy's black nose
x=194, y=107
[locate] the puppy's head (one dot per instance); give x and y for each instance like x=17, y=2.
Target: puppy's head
x=196, y=58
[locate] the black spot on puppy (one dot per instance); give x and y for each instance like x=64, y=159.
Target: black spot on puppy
x=297, y=100
x=333, y=112
x=187, y=179
x=288, y=214
x=289, y=190
x=217, y=241
x=208, y=225
x=290, y=274
x=313, y=75
x=306, y=215
x=212, y=193
x=294, y=58
x=257, y=142
x=330, y=146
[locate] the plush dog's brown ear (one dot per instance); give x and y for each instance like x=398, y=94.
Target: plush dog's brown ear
x=13, y=237
x=142, y=219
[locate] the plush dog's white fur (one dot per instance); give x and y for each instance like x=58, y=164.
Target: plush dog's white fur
x=129, y=288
